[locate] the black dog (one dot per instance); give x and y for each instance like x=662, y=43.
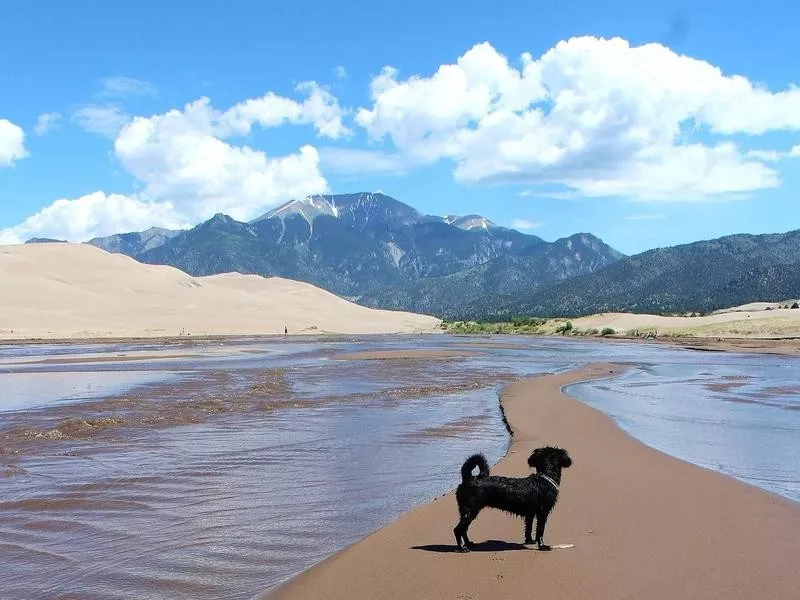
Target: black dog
x=527, y=497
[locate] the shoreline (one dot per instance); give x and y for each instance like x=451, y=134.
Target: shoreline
x=784, y=346
x=199, y=339
x=644, y=524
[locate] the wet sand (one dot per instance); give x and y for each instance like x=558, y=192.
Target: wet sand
x=788, y=346
x=784, y=346
x=644, y=525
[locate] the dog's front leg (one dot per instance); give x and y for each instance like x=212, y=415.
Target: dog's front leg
x=528, y=529
x=541, y=521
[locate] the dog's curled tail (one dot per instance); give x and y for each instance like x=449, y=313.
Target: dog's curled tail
x=476, y=460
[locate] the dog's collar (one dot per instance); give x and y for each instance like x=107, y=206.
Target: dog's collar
x=549, y=479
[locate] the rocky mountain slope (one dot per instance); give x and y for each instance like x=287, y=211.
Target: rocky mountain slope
x=374, y=249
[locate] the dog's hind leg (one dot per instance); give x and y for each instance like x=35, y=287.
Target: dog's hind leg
x=460, y=530
x=528, y=529
x=541, y=521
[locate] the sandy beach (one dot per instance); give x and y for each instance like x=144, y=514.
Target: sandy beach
x=644, y=525
x=77, y=291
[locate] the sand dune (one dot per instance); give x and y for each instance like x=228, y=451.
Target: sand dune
x=79, y=291
x=735, y=323
x=756, y=306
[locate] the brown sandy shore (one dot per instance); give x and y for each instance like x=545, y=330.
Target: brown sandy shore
x=644, y=525
x=782, y=346
x=788, y=346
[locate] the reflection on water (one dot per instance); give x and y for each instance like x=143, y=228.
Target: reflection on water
x=229, y=467
x=36, y=390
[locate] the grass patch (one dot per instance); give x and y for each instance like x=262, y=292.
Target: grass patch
x=478, y=327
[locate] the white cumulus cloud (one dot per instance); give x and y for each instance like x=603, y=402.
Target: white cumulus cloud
x=93, y=215
x=12, y=143
x=183, y=154
x=600, y=117
x=320, y=109
x=186, y=167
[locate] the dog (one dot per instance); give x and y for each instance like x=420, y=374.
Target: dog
x=527, y=497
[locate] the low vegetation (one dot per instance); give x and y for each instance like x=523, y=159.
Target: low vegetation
x=690, y=324
x=523, y=326
x=518, y=326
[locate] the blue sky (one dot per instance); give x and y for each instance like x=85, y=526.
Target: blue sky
x=646, y=124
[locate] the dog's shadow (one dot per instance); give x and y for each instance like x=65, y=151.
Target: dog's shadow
x=487, y=546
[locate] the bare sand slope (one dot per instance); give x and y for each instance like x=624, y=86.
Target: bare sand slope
x=644, y=525
x=754, y=306
x=79, y=291
x=756, y=323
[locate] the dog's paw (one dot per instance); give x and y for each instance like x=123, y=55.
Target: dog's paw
x=544, y=547
x=463, y=549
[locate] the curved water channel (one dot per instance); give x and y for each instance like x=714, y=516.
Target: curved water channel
x=217, y=470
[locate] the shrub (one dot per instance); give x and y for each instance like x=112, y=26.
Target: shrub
x=528, y=321
x=607, y=331
x=565, y=328
x=795, y=305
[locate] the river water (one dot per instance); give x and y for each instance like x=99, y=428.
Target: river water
x=217, y=470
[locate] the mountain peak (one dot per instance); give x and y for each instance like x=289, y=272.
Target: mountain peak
x=308, y=208
x=469, y=222
x=220, y=219
x=356, y=209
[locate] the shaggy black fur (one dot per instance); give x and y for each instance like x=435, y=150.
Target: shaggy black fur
x=527, y=497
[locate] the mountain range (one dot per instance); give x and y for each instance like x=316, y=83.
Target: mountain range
x=698, y=277
x=373, y=249
x=380, y=252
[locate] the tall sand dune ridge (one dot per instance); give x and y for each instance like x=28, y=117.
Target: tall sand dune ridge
x=61, y=290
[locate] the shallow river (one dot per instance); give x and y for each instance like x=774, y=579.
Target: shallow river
x=218, y=470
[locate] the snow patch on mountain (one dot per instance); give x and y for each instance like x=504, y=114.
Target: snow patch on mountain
x=396, y=252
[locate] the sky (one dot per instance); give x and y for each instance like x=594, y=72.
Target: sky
x=646, y=124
